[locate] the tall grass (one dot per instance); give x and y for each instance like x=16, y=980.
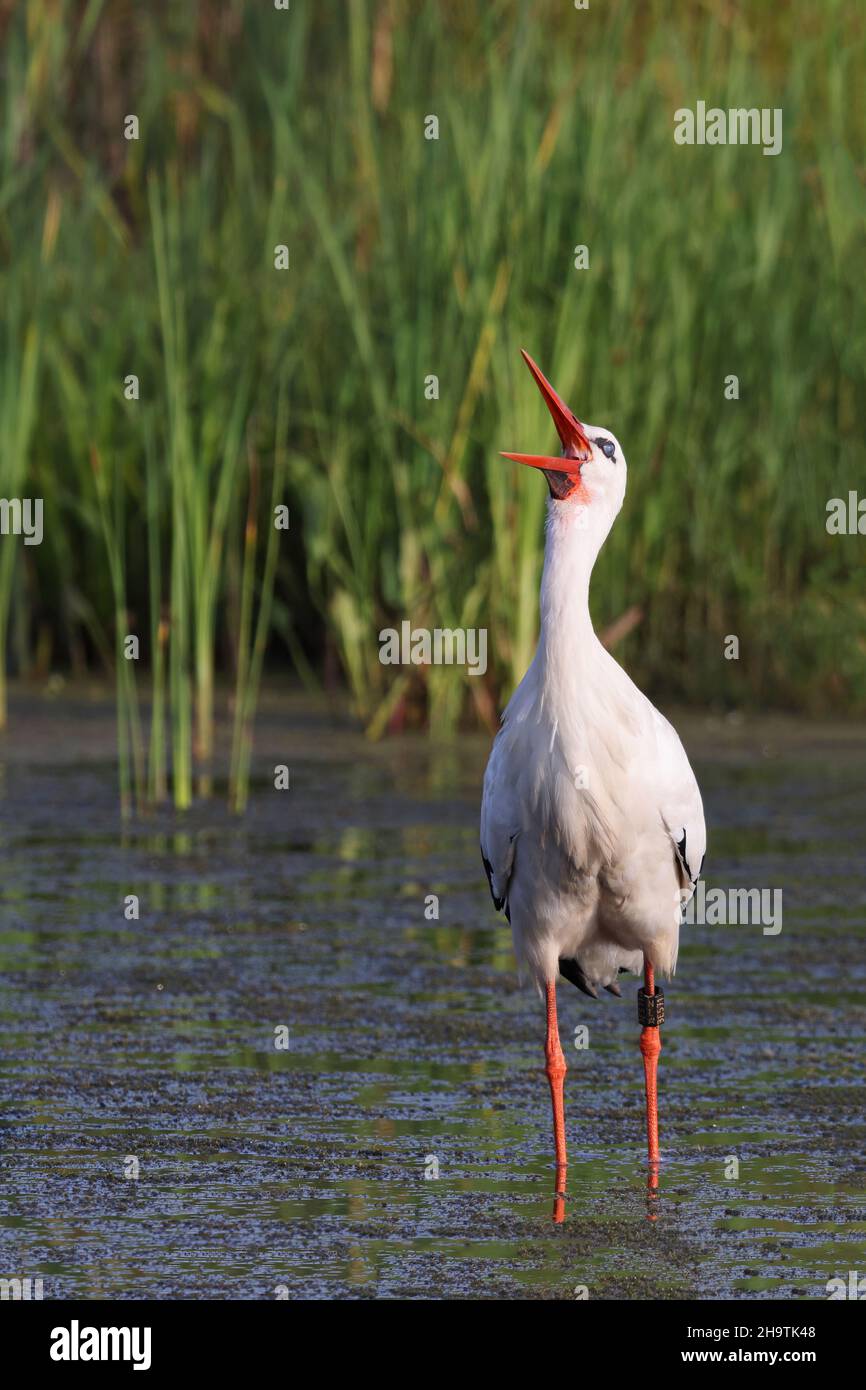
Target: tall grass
x=412, y=258
x=253, y=637
x=445, y=256
x=17, y=415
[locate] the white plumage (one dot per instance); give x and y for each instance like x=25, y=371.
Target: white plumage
x=592, y=827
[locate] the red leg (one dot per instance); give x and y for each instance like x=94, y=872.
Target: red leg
x=556, y=1070
x=650, y=1046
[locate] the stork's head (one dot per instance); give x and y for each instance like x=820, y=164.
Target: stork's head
x=591, y=470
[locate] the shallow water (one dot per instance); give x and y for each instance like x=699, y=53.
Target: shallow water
x=410, y=1040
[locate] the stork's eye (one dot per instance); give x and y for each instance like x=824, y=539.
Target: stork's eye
x=607, y=446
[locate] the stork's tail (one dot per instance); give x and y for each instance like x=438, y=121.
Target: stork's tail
x=590, y=976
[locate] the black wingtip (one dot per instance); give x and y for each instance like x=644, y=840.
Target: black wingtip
x=501, y=904
x=571, y=971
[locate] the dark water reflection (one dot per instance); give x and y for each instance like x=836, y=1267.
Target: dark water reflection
x=411, y=1044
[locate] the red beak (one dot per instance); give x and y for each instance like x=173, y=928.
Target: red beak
x=575, y=444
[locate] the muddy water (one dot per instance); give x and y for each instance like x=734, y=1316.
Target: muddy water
x=411, y=1047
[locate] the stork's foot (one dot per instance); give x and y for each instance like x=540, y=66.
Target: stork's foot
x=555, y=1070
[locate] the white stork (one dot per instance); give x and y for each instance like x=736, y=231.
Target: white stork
x=592, y=827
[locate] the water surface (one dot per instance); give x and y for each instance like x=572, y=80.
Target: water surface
x=412, y=1049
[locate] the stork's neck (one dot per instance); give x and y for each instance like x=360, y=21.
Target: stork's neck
x=567, y=641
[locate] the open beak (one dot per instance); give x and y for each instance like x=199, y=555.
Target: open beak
x=576, y=446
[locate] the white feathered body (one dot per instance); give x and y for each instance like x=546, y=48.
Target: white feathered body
x=592, y=826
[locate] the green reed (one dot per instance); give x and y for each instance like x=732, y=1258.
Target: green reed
x=414, y=258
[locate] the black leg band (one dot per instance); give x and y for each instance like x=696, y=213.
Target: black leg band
x=650, y=1007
